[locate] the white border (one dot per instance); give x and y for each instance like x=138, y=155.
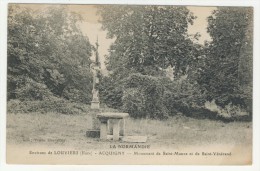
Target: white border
x=256, y=112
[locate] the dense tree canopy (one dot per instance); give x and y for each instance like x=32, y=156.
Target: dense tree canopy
x=226, y=72
x=148, y=38
x=47, y=55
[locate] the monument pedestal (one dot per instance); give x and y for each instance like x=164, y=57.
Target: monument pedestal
x=94, y=125
x=95, y=104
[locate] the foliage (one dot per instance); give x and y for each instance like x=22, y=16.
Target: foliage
x=52, y=104
x=32, y=90
x=229, y=112
x=47, y=48
x=148, y=38
x=183, y=96
x=143, y=97
x=228, y=58
x=49, y=61
x=111, y=92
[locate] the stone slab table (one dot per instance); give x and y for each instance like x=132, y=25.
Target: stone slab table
x=110, y=121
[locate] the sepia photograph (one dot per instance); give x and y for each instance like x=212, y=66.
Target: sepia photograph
x=118, y=84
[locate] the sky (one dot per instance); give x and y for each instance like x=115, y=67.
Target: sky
x=200, y=24
x=92, y=28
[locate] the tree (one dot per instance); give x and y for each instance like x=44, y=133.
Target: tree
x=222, y=68
x=47, y=48
x=148, y=38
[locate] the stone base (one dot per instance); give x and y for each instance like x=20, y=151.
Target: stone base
x=93, y=133
x=92, y=122
x=95, y=105
x=110, y=137
x=134, y=139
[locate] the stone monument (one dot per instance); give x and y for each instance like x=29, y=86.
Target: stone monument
x=94, y=130
x=106, y=124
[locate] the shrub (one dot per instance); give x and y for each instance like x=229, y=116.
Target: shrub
x=182, y=96
x=32, y=90
x=170, y=103
x=134, y=103
x=82, y=95
x=52, y=104
x=143, y=97
x=229, y=112
x=111, y=92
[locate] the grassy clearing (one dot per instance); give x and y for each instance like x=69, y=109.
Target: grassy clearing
x=31, y=128
x=182, y=130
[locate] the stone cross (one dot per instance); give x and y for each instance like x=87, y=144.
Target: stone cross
x=95, y=68
x=94, y=127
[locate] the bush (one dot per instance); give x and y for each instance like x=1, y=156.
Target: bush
x=182, y=96
x=229, y=112
x=111, y=92
x=74, y=94
x=170, y=103
x=143, y=97
x=32, y=90
x=134, y=103
x=52, y=104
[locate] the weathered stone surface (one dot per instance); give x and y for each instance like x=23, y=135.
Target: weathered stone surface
x=134, y=139
x=103, y=130
x=112, y=123
x=95, y=105
x=112, y=115
x=92, y=120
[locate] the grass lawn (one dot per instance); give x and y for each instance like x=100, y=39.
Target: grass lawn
x=54, y=129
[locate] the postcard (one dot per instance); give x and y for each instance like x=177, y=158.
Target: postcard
x=129, y=84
